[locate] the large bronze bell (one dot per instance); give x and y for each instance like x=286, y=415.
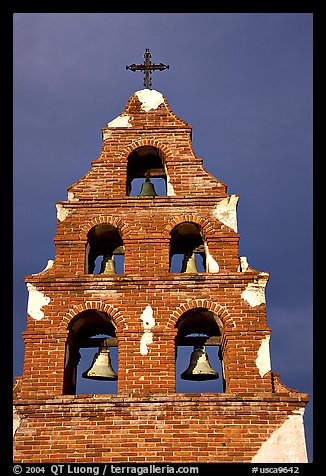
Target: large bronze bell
x=108, y=265
x=101, y=368
x=147, y=189
x=199, y=368
x=189, y=263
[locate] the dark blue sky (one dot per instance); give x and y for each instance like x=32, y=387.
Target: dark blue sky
x=242, y=80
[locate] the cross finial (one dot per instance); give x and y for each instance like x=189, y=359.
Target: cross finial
x=147, y=67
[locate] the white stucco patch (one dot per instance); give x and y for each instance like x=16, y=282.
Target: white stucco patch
x=49, y=265
x=243, y=266
x=169, y=187
x=148, y=324
x=149, y=98
x=147, y=318
x=36, y=300
x=146, y=339
x=211, y=264
x=16, y=421
x=263, y=360
x=120, y=121
x=286, y=444
x=62, y=212
x=106, y=134
x=226, y=211
x=254, y=293
x=71, y=196
x=67, y=356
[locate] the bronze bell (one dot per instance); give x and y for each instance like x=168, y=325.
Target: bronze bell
x=101, y=368
x=108, y=265
x=189, y=263
x=199, y=368
x=147, y=188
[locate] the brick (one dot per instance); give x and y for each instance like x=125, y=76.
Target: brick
x=146, y=420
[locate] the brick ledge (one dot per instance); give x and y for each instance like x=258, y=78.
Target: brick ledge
x=181, y=398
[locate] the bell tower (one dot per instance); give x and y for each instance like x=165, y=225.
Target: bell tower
x=147, y=269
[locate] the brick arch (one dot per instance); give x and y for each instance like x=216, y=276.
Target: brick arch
x=205, y=225
x=203, y=303
x=145, y=142
x=113, y=312
x=104, y=219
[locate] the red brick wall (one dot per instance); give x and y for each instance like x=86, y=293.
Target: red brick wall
x=45, y=339
x=146, y=420
x=180, y=428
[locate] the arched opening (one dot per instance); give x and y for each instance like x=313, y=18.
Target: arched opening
x=89, y=331
x=198, y=354
x=104, y=250
x=146, y=162
x=187, y=251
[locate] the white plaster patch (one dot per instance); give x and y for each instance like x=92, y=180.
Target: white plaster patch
x=120, y=121
x=67, y=355
x=149, y=98
x=49, y=265
x=106, y=134
x=226, y=211
x=16, y=421
x=147, y=318
x=36, y=300
x=243, y=266
x=263, y=360
x=254, y=293
x=286, y=444
x=146, y=339
x=211, y=264
x=71, y=197
x=169, y=187
x=148, y=324
x=62, y=212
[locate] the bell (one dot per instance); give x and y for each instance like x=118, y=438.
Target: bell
x=199, y=367
x=108, y=265
x=101, y=368
x=189, y=263
x=147, y=189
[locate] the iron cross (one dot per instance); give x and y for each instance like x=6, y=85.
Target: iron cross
x=147, y=67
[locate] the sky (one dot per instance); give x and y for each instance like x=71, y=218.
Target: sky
x=243, y=81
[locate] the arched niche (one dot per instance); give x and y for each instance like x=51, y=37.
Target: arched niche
x=146, y=161
x=186, y=242
x=199, y=327
x=104, y=243
x=86, y=332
